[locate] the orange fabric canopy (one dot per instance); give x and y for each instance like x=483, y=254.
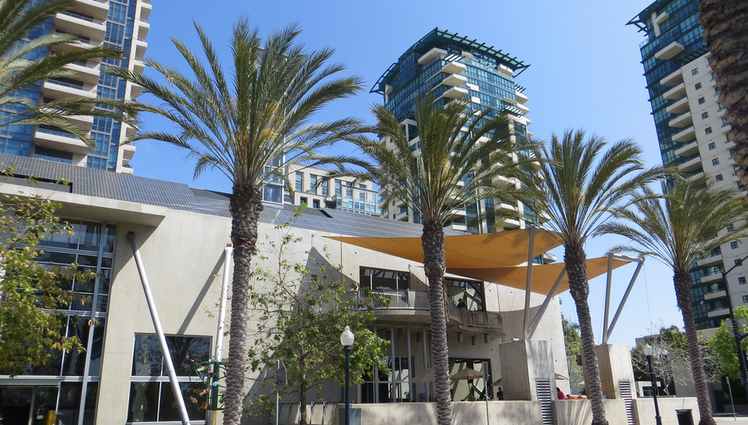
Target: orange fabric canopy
x=543, y=275
x=507, y=248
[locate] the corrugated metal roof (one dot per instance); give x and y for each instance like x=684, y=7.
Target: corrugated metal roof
x=126, y=187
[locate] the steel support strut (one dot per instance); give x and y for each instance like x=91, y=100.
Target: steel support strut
x=176, y=390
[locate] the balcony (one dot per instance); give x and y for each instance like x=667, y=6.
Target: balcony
x=413, y=306
x=524, y=109
x=688, y=150
x=690, y=164
x=431, y=55
x=455, y=80
x=678, y=107
x=144, y=27
x=683, y=120
x=662, y=17
x=84, y=72
x=673, y=79
x=677, y=92
x=59, y=140
x=711, y=260
x=92, y=8
x=62, y=89
x=722, y=311
x=81, y=25
x=128, y=151
x=455, y=93
x=140, y=47
x=714, y=277
x=138, y=66
x=454, y=68
x=685, y=135
x=695, y=177
x=669, y=51
x=521, y=97
x=715, y=294
x=145, y=10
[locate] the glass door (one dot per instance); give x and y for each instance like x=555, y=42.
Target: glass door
x=15, y=405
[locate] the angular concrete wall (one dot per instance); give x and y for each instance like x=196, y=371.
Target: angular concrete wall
x=579, y=412
x=645, y=413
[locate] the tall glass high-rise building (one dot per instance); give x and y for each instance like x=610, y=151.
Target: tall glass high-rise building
x=452, y=66
x=120, y=24
x=693, y=136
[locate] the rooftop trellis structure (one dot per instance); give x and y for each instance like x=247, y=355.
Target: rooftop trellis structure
x=455, y=43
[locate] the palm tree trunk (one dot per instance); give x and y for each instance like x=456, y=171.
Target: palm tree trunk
x=725, y=25
x=246, y=205
x=682, y=281
x=576, y=268
x=432, y=241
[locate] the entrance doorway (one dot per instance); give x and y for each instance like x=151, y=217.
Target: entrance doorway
x=21, y=405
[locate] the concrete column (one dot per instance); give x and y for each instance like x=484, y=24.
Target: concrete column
x=614, y=362
x=522, y=362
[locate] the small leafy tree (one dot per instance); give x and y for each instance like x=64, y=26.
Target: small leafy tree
x=302, y=309
x=722, y=344
x=672, y=348
x=573, y=343
x=30, y=329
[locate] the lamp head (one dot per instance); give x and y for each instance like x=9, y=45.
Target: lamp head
x=347, y=337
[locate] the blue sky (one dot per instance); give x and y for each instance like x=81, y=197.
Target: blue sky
x=585, y=73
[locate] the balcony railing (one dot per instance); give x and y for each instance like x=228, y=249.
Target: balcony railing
x=419, y=300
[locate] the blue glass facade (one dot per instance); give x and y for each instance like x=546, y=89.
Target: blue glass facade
x=105, y=132
x=682, y=26
x=484, y=76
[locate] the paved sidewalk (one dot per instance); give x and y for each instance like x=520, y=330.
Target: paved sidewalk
x=733, y=421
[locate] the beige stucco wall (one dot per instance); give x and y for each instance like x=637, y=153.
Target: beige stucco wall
x=183, y=260
x=645, y=413
x=579, y=412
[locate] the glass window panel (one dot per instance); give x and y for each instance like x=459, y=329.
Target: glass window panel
x=69, y=403
x=61, y=240
x=56, y=257
x=111, y=236
x=94, y=368
x=195, y=398
x=188, y=353
x=45, y=400
x=89, y=409
x=80, y=302
x=89, y=236
x=87, y=260
x=75, y=360
x=147, y=356
x=86, y=285
x=143, y=402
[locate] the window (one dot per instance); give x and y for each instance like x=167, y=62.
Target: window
x=704, y=115
x=701, y=101
x=471, y=389
x=742, y=280
x=719, y=177
x=738, y=262
x=465, y=294
x=338, y=188
x=315, y=203
x=151, y=397
x=697, y=86
x=313, y=179
x=733, y=244
x=715, y=161
x=384, y=281
x=325, y=187
x=303, y=201
x=299, y=184
x=695, y=71
x=708, y=130
x=712, y=146
x=745, y=298
x=730, y=227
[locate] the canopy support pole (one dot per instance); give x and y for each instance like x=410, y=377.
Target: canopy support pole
x=539, y=314
x=228, y=256
x=528, y=282
x=176, y=390
x=608, y=284
x=626, y=294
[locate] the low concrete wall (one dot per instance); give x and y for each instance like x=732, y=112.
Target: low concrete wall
x=579, y=412
x=645, y=413
x=472, y=413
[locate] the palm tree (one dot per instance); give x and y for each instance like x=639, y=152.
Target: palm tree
x=242, y=128
x=725, y=25
x=677, y=229
x=572, y=191
x=21, y=69
x=461, y=156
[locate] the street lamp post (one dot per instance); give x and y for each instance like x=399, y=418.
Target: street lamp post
x=739, y=337
x=648, y=351
x=346, y=340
